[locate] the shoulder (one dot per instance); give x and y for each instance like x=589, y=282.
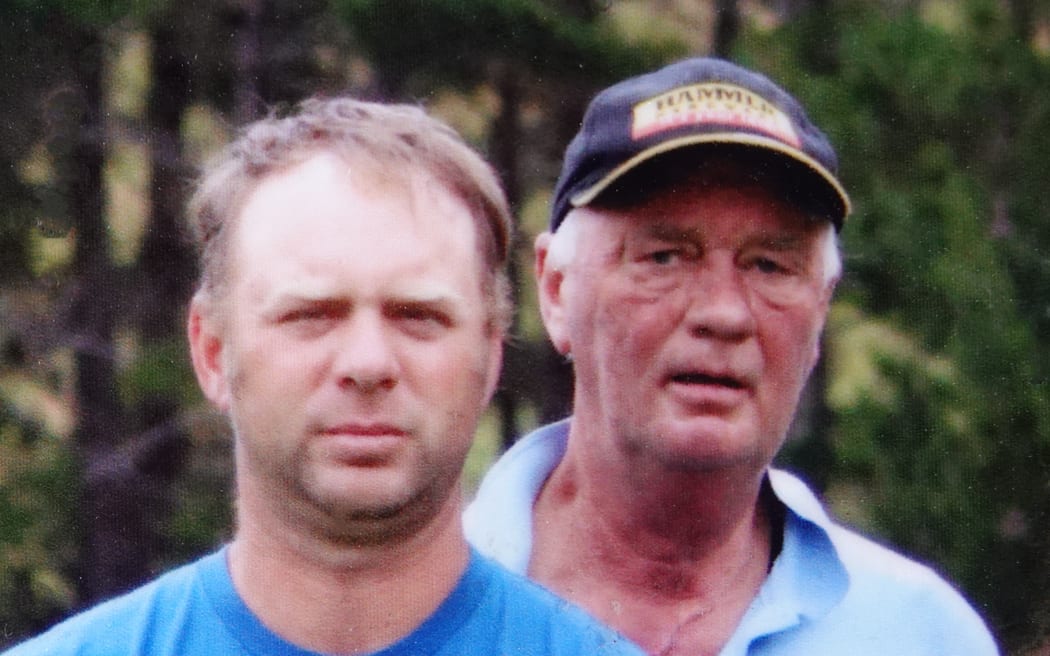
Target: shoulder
x=535, y=621
x=879, y=572
x=908, y=599
x=119, y=625
x=889, y=597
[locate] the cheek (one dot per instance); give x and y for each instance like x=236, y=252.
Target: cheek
x=627, y=330
x=269, y=368
x=449, y=373
x=790, y=344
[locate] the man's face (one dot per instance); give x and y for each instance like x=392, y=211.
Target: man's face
x=693, y=320
x=352, y=350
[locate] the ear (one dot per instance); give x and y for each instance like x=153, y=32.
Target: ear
x=549, y=283
x=206, y=352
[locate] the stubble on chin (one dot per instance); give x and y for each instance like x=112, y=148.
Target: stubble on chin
x=373, y=522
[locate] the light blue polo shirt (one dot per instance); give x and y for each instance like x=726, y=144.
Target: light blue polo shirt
x=830, y=591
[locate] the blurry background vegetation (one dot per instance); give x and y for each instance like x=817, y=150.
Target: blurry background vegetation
x=928, y=424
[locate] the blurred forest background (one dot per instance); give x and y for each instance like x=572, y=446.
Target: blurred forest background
x=928, y=424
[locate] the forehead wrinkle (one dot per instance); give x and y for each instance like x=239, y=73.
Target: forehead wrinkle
x=782, y=241
x=670, y=232
x=774, y=238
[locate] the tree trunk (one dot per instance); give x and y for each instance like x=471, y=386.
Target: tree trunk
x=111, y=531
x=247, y=104
x=166, y=262
x=506, y=134
x=727, y=27
x=157, y=452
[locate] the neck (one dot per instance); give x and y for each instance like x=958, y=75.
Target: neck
x=671, y=558
x=680, y=517
x=333, y=597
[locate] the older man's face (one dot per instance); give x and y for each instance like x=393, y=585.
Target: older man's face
x=694, y=320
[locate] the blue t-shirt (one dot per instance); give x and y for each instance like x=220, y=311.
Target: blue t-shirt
x=196, y=610
x=830, y=591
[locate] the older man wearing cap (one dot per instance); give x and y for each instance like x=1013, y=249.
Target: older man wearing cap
x=687, y=274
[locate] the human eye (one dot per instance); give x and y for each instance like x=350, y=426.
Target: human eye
x=666, y=252
x=780, y=275
x=308, y=319
x=421, y=319
x=306, y=314
x=309, y=313
x=664, y=256
x=780, y=256
x=772, y=265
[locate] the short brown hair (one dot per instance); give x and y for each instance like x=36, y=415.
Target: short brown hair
x=390, y=138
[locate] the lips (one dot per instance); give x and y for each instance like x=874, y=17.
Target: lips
x=700, y=378
x=710, y=388
x=362, y=444
x=364, y=430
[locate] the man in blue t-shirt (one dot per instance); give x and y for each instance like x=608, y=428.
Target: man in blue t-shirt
x=349, y=322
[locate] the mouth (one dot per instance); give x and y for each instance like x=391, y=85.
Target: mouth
x=700, y=378
x=362, y=444
x=363, y=430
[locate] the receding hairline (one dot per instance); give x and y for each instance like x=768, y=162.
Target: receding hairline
x=369, y=177
x=382, y=137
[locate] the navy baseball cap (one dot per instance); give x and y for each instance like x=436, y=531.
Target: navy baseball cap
x=695, y=104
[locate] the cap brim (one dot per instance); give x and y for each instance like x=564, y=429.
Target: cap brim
x=586, y=196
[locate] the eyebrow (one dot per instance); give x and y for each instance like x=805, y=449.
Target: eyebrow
x=425, y=295
x=277, y=299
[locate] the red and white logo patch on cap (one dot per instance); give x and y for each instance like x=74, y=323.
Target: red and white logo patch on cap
x=712, y=103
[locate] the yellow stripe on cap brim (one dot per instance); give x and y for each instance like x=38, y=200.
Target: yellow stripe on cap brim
x=587, y=195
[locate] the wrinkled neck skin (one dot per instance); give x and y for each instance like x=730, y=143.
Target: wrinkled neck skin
x=670, y=558
x=331, y=595
x=686, y=516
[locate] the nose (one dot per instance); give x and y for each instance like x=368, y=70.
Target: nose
x=365, y=359
x=719, y=303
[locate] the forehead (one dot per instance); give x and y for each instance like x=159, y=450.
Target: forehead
x=324, y=216
x=703, y=205
x=350, y=195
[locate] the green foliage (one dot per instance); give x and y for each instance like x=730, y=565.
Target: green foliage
x=90, y=13
x=26, y=65
x=161, y=369
x=457, y=41
x=202, y=516
x=15, y=254
x=37, y=487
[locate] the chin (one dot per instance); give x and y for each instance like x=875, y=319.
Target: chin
x=345, y=491
x=368, y=518
x=704, y=461
x=701, y=444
